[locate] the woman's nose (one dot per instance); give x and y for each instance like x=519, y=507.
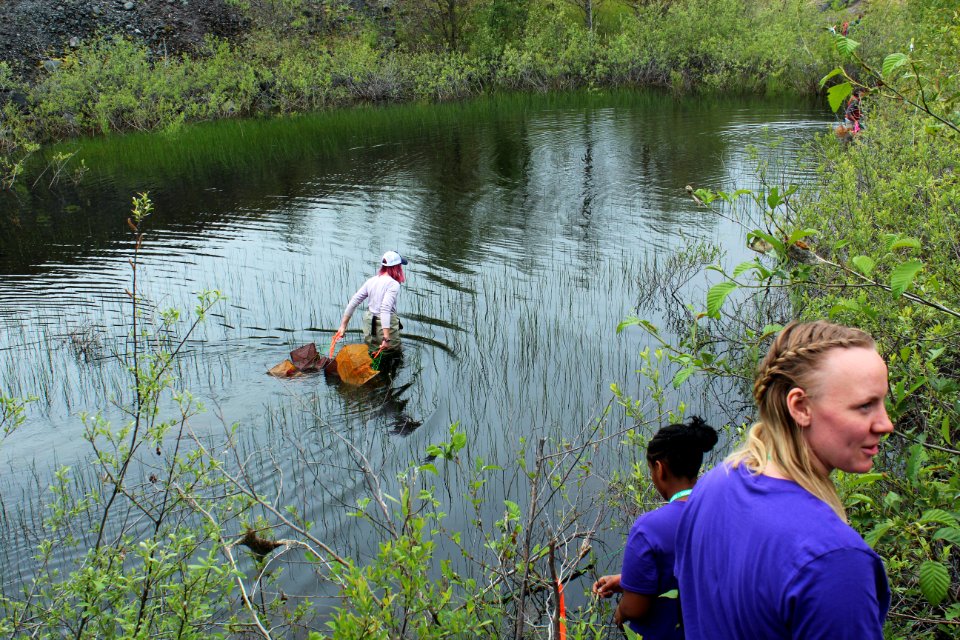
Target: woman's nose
x=883, y=423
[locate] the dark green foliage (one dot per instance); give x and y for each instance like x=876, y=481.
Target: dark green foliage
x=874, y=244
x=304, y=55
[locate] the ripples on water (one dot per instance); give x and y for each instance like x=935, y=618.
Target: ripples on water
x=526, y=220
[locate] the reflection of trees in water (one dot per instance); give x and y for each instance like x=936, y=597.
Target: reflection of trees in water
x=482, y=174
x=65, y=223
x=449, y=174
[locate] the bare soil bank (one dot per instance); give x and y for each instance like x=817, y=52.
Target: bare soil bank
x=34, y=31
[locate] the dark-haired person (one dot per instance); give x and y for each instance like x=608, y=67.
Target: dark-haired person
x=674, y=455
x=853, y=113
x=764, y=549
x=381, y=324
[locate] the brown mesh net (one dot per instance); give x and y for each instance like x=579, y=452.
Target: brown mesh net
x=302, y=360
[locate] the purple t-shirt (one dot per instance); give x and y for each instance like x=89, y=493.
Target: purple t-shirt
x=760, y=557
x=648, y=569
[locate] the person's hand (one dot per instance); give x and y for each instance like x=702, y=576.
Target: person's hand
x=606, y=586
x=339, y=334
x=385, y=344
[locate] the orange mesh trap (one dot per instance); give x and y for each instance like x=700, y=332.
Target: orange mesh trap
x=354, y=364
x=285, y=369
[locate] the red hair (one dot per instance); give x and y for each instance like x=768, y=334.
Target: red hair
x=395, y=272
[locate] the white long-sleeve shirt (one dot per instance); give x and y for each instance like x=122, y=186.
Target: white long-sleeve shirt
x=382, y=291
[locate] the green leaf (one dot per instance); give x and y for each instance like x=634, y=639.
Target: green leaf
x=800, y=234
x=861, y=479
x=743, y=267
x=429, y=467
x=934, y=581
x=950, y=534
x=902, y=243
x=770, y=329
x=892, y=62
x=836, y=72
x=918, y=455
x=774, y=198
x=892, y=500
x=864, y=264
x=903, y=276
x=846, y=46
x=860, y=498
x=681, y=376
x=837, y=94
x=706, y=195
x=844, y=305
x=874, y=535
x=645, y=324
x=939, y=516
x=716, y=295
x=774, y=242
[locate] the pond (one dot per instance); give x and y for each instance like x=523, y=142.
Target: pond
x=528, y=221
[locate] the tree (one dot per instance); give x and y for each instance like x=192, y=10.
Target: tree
x=439, y=23
x=587, y=7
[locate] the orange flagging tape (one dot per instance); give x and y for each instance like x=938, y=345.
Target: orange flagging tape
x=563, y=611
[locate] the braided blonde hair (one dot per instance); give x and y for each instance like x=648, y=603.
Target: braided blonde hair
x=792, y=361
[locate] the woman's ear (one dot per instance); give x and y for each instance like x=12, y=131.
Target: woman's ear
x=798, y=404
x=658, y=471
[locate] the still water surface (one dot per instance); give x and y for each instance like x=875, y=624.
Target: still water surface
x=527, y=222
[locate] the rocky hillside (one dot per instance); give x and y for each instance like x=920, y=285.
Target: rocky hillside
x=35, y=33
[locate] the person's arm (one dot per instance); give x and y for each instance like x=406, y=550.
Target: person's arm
x=841, y=595
x=640, y=578
x=355, y=301
x=633, y=606
x=387, y=309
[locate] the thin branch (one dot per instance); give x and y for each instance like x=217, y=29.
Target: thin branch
x=926, y=444
x=227, y=549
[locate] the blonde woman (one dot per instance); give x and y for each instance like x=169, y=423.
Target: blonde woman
x=764, y=549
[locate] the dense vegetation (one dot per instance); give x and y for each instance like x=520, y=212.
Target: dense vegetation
x=873, y=244
x=304, y=55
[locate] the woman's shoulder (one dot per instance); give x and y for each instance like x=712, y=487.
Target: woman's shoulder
x=660, y=522
x=385, y=280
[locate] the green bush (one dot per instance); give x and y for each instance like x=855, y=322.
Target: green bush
x=16, y=133
x=554, y=53
x=872, y=244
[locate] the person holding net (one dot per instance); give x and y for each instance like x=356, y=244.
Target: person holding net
x=764, y=549
x=381, y=324
x=674, y=456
